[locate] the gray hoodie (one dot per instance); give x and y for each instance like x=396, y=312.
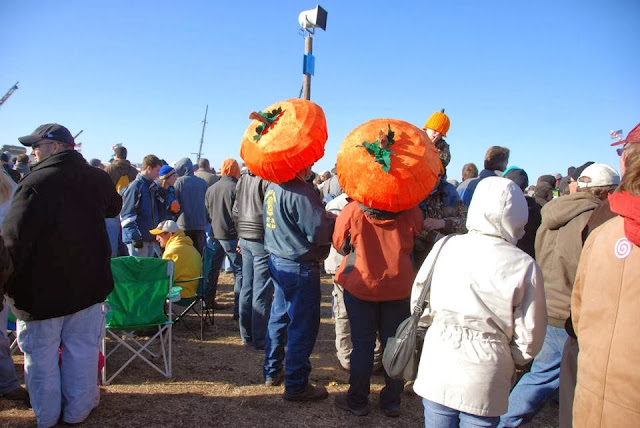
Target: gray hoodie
x=190, y=191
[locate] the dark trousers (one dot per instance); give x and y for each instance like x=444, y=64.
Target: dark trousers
x=197, y=236
x=366, y=319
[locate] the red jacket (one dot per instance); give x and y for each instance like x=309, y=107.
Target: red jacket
x=378, y=267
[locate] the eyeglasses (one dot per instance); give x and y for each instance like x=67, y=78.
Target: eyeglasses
x=37, y=146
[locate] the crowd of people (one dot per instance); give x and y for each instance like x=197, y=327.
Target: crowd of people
x=535, y=279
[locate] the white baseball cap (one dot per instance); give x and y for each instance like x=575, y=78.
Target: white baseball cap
x=598, y=174
x=165, y=226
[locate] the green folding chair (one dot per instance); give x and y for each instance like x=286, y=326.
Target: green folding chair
x=141, y=300
x=12, y=332
x=197, y=304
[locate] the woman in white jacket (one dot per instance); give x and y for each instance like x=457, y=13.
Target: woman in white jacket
x=487, y=312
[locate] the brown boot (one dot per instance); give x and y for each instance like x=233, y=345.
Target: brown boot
x=309, y=393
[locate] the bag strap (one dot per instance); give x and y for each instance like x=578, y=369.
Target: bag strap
x=419, y=308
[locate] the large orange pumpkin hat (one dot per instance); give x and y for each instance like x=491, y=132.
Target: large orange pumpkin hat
x=283, y=139
x=388, y=164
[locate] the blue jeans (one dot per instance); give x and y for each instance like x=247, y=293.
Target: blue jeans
x=69, y=386
x=229, y=247
x=8, y=378
x=539, y=385
x=214, y=270
x=366, y=319
x=439, y=416
x=256, y=293
x=294, y=321
x=149, y=249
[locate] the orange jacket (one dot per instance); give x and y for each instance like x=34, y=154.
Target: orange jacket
x=378, y=267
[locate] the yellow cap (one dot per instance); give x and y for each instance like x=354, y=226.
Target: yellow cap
x=438, y=121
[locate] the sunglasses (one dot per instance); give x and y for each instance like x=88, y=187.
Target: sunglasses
x=620, y=150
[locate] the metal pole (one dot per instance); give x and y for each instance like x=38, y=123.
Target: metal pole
x=204, y=123
x=306, y=80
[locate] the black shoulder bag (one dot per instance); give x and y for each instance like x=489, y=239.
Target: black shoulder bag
x=401, y=356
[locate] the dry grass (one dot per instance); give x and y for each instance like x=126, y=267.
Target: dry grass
x=218, y=382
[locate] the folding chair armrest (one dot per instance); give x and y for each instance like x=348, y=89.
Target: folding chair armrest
x=174, y=294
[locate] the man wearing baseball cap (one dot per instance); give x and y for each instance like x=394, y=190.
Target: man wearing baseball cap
x=179, y=247
x=558, y=244
x=55, y=233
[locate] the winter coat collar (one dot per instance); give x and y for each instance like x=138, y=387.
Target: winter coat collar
x=59, y=158
x=628, y=206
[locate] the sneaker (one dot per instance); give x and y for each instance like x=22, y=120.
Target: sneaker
x=341, y=402
x=309, y=393
x=274, y=381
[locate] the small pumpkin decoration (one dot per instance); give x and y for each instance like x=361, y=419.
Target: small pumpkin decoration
x=283, y=139
x=388, y=164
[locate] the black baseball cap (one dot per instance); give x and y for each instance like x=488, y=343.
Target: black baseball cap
x=49, y=131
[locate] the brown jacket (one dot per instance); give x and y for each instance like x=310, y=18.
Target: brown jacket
x=120, y=167
x=605, y=302
x=558, y=245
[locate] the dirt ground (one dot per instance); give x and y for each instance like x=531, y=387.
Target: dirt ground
x=218, y=382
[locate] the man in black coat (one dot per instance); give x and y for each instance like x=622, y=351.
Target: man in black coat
x=56, y=236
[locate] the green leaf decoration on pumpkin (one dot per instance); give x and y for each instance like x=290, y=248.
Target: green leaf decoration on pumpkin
x=269, y=117
x=380, y=148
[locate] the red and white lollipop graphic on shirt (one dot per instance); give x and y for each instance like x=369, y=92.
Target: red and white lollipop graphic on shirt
x=623, y=248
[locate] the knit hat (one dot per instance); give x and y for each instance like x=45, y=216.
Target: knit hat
x=598, y=174
x=165, y=172
x=438, y=121
x=518, y=176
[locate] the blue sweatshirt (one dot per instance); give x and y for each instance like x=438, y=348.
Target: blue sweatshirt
x=296, y=225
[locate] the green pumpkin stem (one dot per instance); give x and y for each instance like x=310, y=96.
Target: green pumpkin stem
x=380, y=148
x=267, y=120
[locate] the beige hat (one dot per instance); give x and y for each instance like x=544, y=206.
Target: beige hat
x=598, y=174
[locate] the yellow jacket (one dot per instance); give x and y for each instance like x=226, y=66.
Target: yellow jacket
x=187, y=262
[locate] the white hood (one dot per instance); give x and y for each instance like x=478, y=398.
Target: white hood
x=498, y=208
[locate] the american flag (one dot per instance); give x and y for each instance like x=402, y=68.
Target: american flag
x=616, y=134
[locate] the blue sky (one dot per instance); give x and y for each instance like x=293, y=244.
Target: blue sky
x=548, y=79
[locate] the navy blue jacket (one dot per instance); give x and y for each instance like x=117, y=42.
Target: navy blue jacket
x=296, y=225
x=141, y=210
x=190, y=191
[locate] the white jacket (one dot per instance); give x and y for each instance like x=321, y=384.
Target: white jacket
x=333, y=260
x=487, y=304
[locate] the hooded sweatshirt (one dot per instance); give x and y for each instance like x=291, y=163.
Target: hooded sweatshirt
x=487, y=308
x=187, y=262
x=377, y=264
x=190, y=191
x=558, y=246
